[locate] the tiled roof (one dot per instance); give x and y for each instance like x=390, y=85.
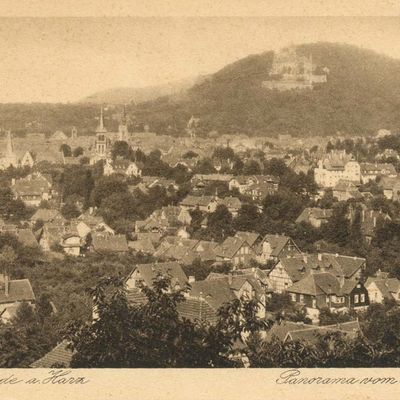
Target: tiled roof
x=277, y=242
x=317, y=283
x=27, y=238
x=193, y=201
x=18, y=290
x=384, y=168
x=109, y=243
x=144, y=246
x=149, y=271
x=314, y=212
x=249, y=237
x=60, y=356
x=197, y=309
x=215, y=292
x=230, y=202
x=31, y=186
x=287, y=330
x=154, y=237
x=47, y=215
x=230, y=247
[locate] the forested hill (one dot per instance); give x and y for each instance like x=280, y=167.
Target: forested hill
x=362, y=95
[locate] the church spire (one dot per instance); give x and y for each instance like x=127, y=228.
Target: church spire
x=101, y=128
x=101, y=124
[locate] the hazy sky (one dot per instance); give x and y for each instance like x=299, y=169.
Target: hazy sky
x=66, y=59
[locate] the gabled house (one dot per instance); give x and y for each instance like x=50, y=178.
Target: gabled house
x=123, y=166
x=381, y=287
x=370, y=171
x=105, y=243
x=27, y=238
x=203, y=203
x=205, y=299
x=325, y=290
x=207, y=250
x=235, y=250
x=246, y=287
x=274, y=247
x=233, y=204
x=314, y=216
x=12, y=293
x=346, y=190
x=291, y=331
x=144, y=274
x=290, y=270
x=50, y=234
x=391, y=187
x=72, y=243
x=47, y=215
x=32, y=189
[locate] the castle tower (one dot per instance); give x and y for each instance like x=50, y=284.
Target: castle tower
x=123, y=127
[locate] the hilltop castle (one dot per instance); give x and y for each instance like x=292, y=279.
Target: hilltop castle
x=291, y=71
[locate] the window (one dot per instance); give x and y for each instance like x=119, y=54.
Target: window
x=301, y=298
x=293, y=296
x=362, y=298
x=314, y=303
x=355, y=298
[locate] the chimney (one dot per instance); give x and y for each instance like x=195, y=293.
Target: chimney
x=191, y=279
x=374, y=222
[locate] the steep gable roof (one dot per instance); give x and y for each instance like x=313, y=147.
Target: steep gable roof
x=18, y=290
x=149, y=271
x=215, y=292
x=109, y=243
x=278, y=243
x=230, y=246
x=61, y=355
x=250, y=237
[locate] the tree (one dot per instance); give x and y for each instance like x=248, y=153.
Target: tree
x=69, y=210
x=66, y=150
x=145, y=335
x=78, y=151
x=223, y=153
x=107, y=186
x=121, y=149
x=251, y=167
x=248, y=218
x=220, y=224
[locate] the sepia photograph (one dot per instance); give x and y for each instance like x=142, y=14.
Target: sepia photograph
x=199, y=191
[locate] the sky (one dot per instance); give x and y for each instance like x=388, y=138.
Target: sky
x=64, y=59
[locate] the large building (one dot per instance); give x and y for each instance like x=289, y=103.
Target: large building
x=337, y=166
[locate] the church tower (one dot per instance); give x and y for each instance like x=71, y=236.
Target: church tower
x=123, y=127
x=101, y=138
x=10, y=157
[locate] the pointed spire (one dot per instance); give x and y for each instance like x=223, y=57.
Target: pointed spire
x=101, y=124
x=101, y=128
